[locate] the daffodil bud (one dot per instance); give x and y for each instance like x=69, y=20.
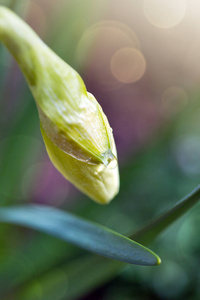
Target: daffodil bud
x=76, y=132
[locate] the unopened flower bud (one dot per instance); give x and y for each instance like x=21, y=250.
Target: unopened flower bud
x=76, y=132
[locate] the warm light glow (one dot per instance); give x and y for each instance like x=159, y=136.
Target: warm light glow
x=128, y=65
x=164, y=13
x=98, y=44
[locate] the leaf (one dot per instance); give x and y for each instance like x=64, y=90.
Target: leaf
x=151, y=230
x=87, y=235
x=111, y=268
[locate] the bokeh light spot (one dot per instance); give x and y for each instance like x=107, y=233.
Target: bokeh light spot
x=20, y=264
x=43, y=184
x=186, y=150
x=97, y=46
x=174, y=99
x=164, y=14
x=17, y=166
x=128, y=65
x=33, y=173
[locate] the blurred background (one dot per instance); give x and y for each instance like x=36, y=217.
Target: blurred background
x=141, y=60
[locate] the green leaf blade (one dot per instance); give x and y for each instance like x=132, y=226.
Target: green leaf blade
x=87, y=235
x=153, y=228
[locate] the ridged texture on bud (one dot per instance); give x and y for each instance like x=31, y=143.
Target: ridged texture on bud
x=76, y=132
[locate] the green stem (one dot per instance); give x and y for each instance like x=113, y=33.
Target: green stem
x=152, y=229
x=21, y=41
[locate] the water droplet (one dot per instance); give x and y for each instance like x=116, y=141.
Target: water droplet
x=109, y=159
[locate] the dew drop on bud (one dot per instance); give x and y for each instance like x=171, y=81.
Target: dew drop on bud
x=109, y=159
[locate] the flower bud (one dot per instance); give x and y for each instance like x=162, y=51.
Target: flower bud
x=76, y=132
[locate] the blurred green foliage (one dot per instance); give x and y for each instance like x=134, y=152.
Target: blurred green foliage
x=164, y=169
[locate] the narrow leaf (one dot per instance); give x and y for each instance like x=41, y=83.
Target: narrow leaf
x=146, y=235
x=87, y=235
x=152, y=229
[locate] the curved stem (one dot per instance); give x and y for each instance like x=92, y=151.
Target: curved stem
x=18, y=38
